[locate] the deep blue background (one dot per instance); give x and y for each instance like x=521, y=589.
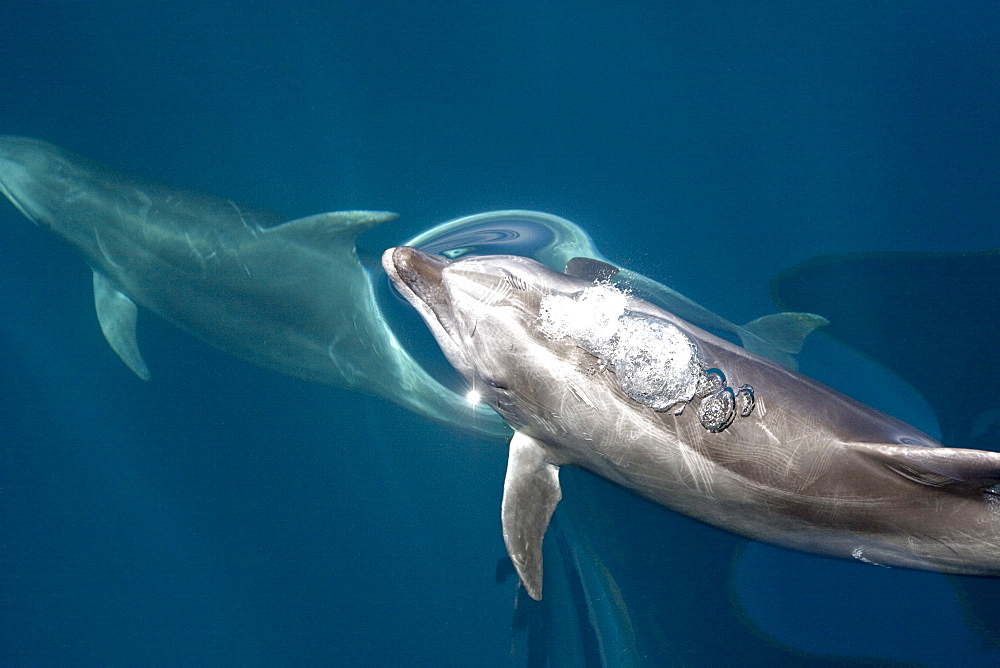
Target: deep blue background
x=221, y=513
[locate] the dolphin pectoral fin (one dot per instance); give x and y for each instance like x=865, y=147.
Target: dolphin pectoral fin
x=955, y=470
x=786, y=331
x=117, y=314
x=332, y=228
x=530, y=494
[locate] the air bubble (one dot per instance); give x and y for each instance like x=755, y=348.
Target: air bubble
x=653, y=361
x=711, y=382
x=745, y=400
x=718, y=410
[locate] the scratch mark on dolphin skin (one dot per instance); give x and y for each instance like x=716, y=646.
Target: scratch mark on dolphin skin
x=580, y=394
x=700, y=470
x=253, y=229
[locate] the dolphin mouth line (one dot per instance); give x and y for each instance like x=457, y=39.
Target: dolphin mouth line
x=17, y=204
x=417, y=275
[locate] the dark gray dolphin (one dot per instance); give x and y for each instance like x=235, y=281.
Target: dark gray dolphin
x=590, y=376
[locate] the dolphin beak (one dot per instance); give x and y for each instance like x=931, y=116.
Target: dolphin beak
x=14, y=176
x=420, y=271
x=419, y=277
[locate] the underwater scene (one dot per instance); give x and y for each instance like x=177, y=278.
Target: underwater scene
x=268, y=396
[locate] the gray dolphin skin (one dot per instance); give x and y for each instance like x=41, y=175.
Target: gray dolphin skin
x=590, y=376
x=290, y=296
x=777, y=336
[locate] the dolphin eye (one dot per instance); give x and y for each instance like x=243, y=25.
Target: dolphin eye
x=495, y=385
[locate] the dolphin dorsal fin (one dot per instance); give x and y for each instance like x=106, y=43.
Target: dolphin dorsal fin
x=530, y=495
x=590, y=269
x=786, y=331
x=333, y=228
x=117, y=315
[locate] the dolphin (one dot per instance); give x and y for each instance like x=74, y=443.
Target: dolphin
x=291, y=296
x=555, y=241
x=591, y=376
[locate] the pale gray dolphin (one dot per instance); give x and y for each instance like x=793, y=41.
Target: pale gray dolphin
x=291, y=296
x=588, y=375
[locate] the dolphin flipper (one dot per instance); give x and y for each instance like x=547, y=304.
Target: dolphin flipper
x=117, y=314
x=530, y=495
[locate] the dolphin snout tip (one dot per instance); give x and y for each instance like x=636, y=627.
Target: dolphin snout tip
x=387, y=257
x=405, y=260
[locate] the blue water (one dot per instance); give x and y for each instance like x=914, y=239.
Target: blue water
x=222, y=514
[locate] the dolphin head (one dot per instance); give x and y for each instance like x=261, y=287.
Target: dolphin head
x=482, y=310
x=32, y=176
x=84, y=202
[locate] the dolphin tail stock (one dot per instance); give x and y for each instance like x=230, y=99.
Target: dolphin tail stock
x=354, y=348
x=426, y=396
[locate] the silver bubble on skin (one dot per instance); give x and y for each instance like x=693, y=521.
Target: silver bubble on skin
x=745, y=400
x=710, y=383
x=653, y=361
x=718, y=410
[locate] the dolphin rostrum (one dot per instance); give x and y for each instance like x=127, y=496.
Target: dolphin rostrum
x=291, y=296
x=589, y=375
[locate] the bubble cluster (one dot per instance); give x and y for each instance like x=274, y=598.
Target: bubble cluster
x=653, y=361
x=711, y=382
x=745, y=401
x=718, y=410
x=592, y=318
x=720, y=405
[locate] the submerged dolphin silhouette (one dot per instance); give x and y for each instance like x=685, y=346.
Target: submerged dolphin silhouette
x=949, y=353
x=590, y=376
x=291, y=296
